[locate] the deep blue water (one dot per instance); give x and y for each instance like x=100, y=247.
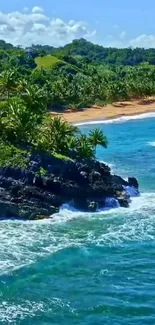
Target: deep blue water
x=88, y=269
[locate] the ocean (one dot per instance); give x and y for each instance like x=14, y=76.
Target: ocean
x=88, y=269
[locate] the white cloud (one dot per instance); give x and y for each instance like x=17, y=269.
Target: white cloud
x=71, y=22
x=122, y=41
x=37, y=9
x=35, y=27
x=122, y=35
x=144, y=40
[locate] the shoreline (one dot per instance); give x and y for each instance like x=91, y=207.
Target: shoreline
x=121, y=111
x=117, y=118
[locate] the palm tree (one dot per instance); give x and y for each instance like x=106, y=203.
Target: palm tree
x=8, y=82
x=35, y=98
x=63, y=126
x=84, y=148
x=20, y=121
x=12, y=119
x=97, y=137
x=58, y=135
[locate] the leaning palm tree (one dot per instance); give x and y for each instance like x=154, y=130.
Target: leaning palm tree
x=97, y=137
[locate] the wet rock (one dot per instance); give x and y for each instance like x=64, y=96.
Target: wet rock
x=123, y=199
x=92, y=206
x=79, y=204
x=37, y=181
x=123, y=202
x=117, y=180
x=95, y=176
x=8, y=209
x=84, y=177
x=133, y=182
x=87, y=184
x=14, y=190
x=41, y=217
x=111, y=203
x=30, y=212
x=131, y=191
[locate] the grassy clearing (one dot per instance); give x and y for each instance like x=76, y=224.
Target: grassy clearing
x=46, y=61
x=50, y=60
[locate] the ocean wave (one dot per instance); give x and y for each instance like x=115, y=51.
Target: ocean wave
x=121, y=119
x=23, y=243
x=143, y=205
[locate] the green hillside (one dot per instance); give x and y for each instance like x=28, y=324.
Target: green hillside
x=46, y=61
x=49, y=61
x=100, y=54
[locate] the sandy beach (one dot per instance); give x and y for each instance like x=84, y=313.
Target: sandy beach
x=116, y=110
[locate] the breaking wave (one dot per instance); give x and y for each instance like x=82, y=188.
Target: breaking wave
x=121, y=119
x=22, y=243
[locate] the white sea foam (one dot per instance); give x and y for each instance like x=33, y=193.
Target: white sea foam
x=11, y=312
x=121, y=119
x=143, y=203
x=116, y=226
x=22, y=243
x=151, y=143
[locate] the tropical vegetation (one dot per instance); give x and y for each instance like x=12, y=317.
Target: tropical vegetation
x=26, y=125
x=41, y=79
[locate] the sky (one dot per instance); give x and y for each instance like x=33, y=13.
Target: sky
x=115, y=23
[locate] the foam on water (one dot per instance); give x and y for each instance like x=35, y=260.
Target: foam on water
x=151, y=143
x=9, y=313
x=142, y=204
x=22, y=243
x=121, y=119
x=25, y=243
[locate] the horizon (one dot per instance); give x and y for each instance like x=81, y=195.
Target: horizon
x=123, y=25
x=58, y=47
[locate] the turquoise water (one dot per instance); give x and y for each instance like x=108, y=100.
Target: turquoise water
x=88, y=269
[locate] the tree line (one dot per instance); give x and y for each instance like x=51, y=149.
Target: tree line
x=94, y=53
x=75, y=81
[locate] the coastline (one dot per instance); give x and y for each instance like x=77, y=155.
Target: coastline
x=112, y=112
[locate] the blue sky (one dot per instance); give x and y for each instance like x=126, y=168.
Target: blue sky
x=111, y=23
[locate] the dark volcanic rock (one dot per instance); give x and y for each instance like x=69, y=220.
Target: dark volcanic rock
x=29, y=195
x=133, y=182
x=123, y=199
x=8, y=209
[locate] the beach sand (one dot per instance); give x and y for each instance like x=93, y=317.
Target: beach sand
x=111, y=111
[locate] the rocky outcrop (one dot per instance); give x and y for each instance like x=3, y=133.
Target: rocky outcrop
x=87, y=185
